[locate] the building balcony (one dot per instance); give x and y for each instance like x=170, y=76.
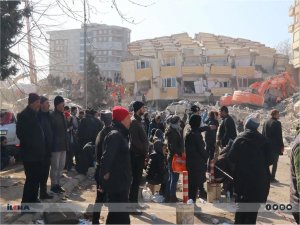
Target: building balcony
x=221, y=91
x=247, y=71
x=296, y=62
x=292, y=11
x=168, y=71
x=291, y=28
x=296, y=45
x=143, y=74
x=169, y=93
x=219, y=70
x=192, y=70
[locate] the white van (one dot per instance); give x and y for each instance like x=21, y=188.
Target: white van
x=8, y=124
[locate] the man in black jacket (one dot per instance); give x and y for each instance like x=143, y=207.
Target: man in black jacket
x=32, y=140
x=44, y=117
x=106, y=118
x=251, y=156
x=138, y=149
x=88, y=128
x=227, y=128
x=272, y=130
x=115, y=166
x=60, y=144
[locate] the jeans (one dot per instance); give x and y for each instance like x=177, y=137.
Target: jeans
x=172, y=182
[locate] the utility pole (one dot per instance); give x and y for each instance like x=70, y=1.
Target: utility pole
x=32, y=70
x=84, y=56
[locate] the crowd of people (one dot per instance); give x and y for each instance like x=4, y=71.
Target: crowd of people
x=123, y=144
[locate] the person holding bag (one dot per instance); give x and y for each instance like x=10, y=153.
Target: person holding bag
x=175, y=146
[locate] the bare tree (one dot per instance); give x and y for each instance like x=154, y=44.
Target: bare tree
x=285, y=47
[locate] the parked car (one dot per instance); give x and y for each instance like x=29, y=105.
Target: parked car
x=8, y=122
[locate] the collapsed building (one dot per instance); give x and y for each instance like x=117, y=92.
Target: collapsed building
x=166, y=69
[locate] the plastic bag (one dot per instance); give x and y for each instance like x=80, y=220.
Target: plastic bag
x=178, y=163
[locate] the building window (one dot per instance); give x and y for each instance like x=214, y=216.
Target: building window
x=142, y=64
x=169, y=82
x=168, y=62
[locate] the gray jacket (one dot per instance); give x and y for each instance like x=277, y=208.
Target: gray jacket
x=60, y=134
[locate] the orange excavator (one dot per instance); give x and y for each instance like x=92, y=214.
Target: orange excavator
x=272, y=90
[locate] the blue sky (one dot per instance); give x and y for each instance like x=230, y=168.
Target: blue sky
x=265, y=21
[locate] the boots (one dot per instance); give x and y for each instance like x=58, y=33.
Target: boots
x=43, y=194
x=202, y=193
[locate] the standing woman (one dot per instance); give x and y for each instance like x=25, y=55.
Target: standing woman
x=175, y=146
x=196, y=157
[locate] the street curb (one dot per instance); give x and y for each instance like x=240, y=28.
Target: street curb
x=68, y=186
x=15, y=169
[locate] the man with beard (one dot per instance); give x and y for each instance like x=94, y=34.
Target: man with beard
x=44, y=117
x=138, y=149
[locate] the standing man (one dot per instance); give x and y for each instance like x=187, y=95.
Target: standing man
x=44, y=117
x=32, y=139
x=273, y=131
x=227, y=132
x=295, y=176
x=227, y=128
x=60, y=144
x=115, y=167
x=138, y=149
x=156, y=123
x=75, y=121
x=251, y=156
x=106, y=118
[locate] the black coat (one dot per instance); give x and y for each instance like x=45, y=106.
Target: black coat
x=211, y=135
x=138, y=138
x=88, y=130
x=116, y=160
x=155, y=125
x=31, y=135
x=251, y=156
x=227, y=130
x=196, y=156
x=156, y=168
x=174, y=142
x=45, y=119
x=99, y=142
x=60, y=133
x=272, y=130
x=294, y=168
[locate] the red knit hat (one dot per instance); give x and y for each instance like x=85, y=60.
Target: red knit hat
x=67, y=114
x=119, y=113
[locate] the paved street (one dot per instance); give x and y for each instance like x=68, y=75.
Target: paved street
x=84, y=194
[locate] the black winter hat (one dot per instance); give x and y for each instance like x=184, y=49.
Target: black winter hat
x=159, y=134
x=58, y=99
x=137, y=105
x=106, y=117
x=195, y=109
x=175, y=119
x=195, y=121
x=43, y=99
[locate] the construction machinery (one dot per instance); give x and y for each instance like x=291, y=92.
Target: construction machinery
x=270, y=91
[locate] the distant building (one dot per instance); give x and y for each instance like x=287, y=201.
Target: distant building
x=180, y=67
x=107, y=43
x=294, y=29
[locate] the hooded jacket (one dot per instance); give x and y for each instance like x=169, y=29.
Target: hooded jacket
x=251, y=156
x=174, y=142
x=116, y=160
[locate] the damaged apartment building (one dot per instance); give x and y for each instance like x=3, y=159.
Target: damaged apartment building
x=170, y=68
